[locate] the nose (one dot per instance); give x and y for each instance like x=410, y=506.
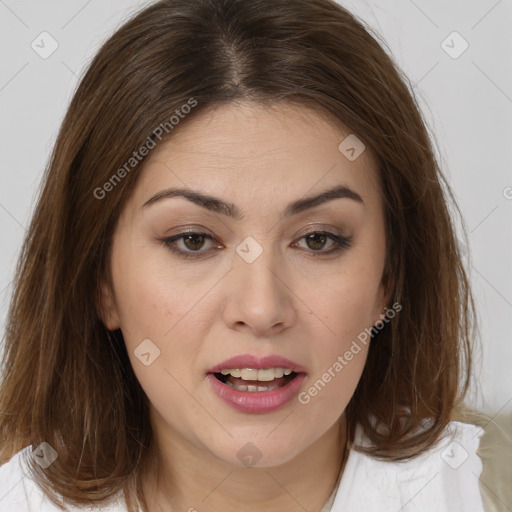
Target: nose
x=260, y=301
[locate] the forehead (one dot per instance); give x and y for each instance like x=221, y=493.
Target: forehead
x=247, y=150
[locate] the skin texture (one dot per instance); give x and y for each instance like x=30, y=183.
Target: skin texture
x=291, y=301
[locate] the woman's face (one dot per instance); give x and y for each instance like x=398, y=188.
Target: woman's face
x=271, y=282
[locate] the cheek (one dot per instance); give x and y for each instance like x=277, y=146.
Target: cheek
x=150, y=299
x=145, y=310
x=348, y=303
x=343, y=349
x=328, y=391
x=160, y=341
x=155, y=304
x=340, y=358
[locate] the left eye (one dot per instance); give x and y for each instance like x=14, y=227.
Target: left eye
x=193, y=242
x=316, y=241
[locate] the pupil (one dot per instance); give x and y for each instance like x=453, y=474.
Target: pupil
x=315, y=235
x=187, y=239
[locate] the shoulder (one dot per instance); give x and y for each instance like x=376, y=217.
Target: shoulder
x=445, y=478
x=20, y=492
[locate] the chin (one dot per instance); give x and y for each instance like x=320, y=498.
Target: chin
x=253, y=450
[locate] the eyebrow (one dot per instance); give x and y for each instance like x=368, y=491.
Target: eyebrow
x=217, y=205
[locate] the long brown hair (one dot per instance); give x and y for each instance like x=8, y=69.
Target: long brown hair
x=68, y=381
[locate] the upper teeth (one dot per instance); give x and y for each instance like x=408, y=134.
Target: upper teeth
x=266, y=374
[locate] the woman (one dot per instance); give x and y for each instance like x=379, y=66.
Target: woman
x=241, y=288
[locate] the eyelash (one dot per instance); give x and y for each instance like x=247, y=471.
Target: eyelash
x=341, y=243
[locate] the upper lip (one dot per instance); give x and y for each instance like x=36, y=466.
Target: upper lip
x=258, y=363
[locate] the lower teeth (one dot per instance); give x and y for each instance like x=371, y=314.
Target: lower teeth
x=251, y=389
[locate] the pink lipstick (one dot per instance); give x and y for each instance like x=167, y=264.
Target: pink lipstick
x=256, y=385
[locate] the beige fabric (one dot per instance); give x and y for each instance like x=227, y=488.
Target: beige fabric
x=495, y=451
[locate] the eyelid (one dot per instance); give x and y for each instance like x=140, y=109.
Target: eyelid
x=319, y=228
x=170, y=241
x=341, y=243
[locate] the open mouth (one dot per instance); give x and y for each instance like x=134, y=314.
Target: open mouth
x=255, y=391
x=256, y=380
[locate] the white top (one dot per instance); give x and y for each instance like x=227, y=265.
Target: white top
x=443, y=479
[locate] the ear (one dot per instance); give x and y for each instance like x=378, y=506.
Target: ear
x=386, y=292
x=107, y=307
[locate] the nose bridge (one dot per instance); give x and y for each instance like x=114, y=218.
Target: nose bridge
x=260, y=298
x=257, y=265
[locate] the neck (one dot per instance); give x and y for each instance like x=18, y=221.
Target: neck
x=182, y=477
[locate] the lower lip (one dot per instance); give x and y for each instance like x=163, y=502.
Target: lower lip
x=257, y=401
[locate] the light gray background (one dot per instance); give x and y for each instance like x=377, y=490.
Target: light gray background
x=467, y=102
